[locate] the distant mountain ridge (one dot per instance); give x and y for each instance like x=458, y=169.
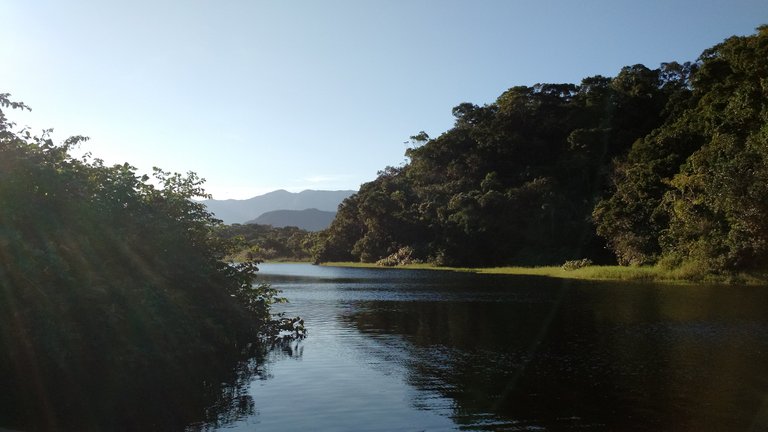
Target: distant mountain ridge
x=239, y=211
x=309, y=219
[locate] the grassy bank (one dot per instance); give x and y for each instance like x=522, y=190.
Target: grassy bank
x=683, y=275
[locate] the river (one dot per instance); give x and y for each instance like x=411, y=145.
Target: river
x=409, y=350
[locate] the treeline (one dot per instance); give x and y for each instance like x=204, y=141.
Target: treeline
x=114, y=298
x=652, y=165
x=267, y=243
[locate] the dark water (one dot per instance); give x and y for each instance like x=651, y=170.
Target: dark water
x=419, y=350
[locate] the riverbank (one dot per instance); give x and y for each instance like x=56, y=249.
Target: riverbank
x=681, y=275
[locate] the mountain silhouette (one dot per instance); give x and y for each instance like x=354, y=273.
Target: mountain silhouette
x=239, y=211
x=309, y=219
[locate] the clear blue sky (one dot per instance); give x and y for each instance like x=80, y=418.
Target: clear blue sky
x=308, y=94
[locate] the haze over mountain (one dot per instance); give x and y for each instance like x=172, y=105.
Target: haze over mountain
x=239, y=211
x=309, y=219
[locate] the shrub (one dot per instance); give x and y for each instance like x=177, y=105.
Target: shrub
x=403, y=256
x=111, y=281
x=576, y=264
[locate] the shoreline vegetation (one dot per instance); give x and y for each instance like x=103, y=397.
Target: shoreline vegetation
x=657, y=273
x=662, y=171
x=117, y=310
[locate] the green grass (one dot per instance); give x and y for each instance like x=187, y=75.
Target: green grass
x=681, y=275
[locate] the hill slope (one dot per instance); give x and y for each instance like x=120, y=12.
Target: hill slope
x=239, y=211
x=309, y=219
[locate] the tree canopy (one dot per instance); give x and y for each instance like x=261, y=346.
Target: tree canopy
x=694, y=191
x=652, y=164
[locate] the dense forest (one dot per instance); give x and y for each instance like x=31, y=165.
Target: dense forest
x=267, y=243
x=665, y=165
x=114, y=296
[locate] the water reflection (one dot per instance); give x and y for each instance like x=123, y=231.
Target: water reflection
x=409, y=350
x=202, y=394
x=135, y=375
x=566, y=356
x=232, y=401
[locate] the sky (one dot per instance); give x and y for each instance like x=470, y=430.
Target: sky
x=261, y=95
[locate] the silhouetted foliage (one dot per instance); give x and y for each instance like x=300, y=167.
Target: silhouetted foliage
x=109, y=282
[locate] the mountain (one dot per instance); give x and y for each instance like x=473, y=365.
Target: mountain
x=238, y=211
x=309, y=219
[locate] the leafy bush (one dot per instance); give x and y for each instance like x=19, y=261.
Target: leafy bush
x=108, y=281
x=402, y=256
x=576, y=264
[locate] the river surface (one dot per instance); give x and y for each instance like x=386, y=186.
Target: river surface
x=408, y=350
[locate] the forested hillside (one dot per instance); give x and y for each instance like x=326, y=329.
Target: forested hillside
x=695, y=191
x=652, y=164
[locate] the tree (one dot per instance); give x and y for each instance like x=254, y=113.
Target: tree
x=109, y=282
x=716, y=203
